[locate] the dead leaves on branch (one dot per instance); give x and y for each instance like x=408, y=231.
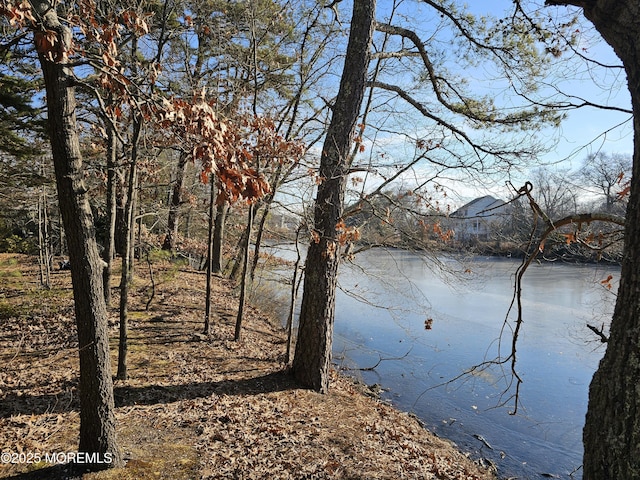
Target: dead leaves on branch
x=18, y=14
x=102, y=32
x=607, y=282
x=100, y=36
x=48, y=44
x=237, y=152
x=346, y=234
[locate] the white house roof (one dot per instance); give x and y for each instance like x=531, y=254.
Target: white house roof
x=479, y=207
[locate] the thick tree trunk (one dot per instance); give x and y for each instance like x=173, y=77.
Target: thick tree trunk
x=312, y=358
x=97, y=420
x=612, y=429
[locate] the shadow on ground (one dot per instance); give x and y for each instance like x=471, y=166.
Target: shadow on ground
x=65, y=401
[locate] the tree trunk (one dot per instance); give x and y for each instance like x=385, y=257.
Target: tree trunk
x=259, y=233
x=127, y=259
x=110, y=247
x=243, y=278
x=121, y=215
x=210, y=253
x=218, y=236
x=97, y=420
x=174, y=208
x=612, y=429
x=313, y=348
x=294, y=295
x=243, y=242
x=43, y=239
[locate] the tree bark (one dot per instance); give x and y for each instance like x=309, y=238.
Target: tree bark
x=126, y=276
x=174, y=208
x=260, y=232
x=43, y=239
x=210, y=251
x=243, y=278
x=110, y=247
x=612, y=429
x=312, y=357
x=236, y=269
x=97, y=420
x=218, y=236
x=121, y=215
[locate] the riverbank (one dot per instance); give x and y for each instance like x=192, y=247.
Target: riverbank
x=194, y=406
x=556, y=248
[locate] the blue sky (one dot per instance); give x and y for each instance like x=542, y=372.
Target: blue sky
x=586, y=130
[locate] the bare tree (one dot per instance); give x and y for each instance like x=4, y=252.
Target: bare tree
x=555, y=194
x=608, y=174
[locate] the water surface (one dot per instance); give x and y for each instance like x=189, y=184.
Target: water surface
x=387, y=298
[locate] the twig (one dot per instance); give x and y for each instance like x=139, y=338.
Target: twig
x=598, y=332
x=17, y=349
x=381, y=359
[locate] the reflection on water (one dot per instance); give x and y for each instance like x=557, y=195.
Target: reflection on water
x=466, y=309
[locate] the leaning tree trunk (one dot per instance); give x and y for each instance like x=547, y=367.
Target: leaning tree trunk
x=97, y=420
x=243, y=277
x=612, y=429
x=315, y=334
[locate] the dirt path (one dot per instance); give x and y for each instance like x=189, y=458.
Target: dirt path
x=194, y=407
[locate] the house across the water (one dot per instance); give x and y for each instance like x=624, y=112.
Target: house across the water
x=479, y=219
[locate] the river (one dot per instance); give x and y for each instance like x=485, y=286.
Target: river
x=422, y=323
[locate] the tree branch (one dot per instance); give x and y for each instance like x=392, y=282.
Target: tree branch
x=467, y=107
x=599, y=333
x=533, y=253
x=426, y=113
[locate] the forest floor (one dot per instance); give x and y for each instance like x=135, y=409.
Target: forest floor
x=194, y=407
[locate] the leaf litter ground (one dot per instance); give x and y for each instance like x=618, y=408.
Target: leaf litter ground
x=195, y=407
